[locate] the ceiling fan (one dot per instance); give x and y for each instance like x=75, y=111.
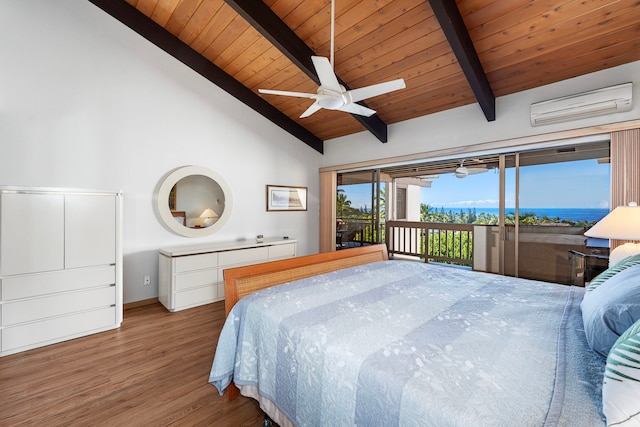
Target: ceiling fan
x=463, y=171
x=331, y=95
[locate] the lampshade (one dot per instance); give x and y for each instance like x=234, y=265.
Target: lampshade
x=209, y=216
x=623, y=223
x=209, y=213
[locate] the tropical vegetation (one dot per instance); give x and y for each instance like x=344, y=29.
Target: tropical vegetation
x=470, y=216
x=454, y=242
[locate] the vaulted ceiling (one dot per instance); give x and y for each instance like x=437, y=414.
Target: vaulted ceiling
x=449, y=53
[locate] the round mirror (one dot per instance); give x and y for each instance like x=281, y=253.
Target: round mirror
x=193, y=201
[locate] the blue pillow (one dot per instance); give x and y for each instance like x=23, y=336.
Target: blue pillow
x=611, y=309
x=612, y=271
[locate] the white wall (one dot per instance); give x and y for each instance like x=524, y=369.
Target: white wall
x=87, y=103
x=413, y=203
x=467, y=125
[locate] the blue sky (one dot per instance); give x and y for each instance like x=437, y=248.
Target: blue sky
x=580, y=184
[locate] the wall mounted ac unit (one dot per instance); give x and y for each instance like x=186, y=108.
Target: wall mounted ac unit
x=608, y=100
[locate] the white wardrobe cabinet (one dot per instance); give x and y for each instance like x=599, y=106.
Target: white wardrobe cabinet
x=60, y=265
x=192, y=275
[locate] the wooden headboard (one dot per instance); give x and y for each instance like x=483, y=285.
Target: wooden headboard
x=241, y=281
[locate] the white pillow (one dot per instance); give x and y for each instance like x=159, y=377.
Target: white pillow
x=621, y=384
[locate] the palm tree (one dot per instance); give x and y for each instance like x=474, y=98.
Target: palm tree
x=342, y=203
x=383, y=202
x=424, y=212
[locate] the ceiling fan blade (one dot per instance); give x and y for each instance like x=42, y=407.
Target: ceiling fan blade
x=286, y=93
x=375, y=90
x=473, y=171
x=357, y=109
x=312, y=109
x=463, y=171
x=325, y=73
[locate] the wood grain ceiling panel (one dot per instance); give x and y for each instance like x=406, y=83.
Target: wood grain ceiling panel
x=163, y=11
x=557, y=34
x=549, y=68
x=521, y=45
x=180, y=15
x=341, y=124
x=204, y=24
x=546, y=42
x=394, y=42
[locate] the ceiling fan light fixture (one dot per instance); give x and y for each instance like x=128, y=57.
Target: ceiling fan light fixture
x=461, y=172
x=330, y=103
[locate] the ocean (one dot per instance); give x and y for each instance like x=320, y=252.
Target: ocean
x=575, y=214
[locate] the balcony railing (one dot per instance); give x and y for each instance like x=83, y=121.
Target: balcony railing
x=355, y=232
x=450, y=243
x=543, y=251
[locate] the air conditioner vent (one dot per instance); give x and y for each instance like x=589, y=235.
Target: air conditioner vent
x=614, y=99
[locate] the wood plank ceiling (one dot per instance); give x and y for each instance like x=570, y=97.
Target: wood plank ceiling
x=517, y=46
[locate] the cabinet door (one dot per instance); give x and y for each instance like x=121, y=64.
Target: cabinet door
x=90, y=230
x=31, y=233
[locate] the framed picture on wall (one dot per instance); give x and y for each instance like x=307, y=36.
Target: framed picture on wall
x=281, y=198
x=172, y=199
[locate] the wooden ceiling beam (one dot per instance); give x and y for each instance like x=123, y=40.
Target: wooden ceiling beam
x=267, y=23
x=450, y=20
x=147, y=28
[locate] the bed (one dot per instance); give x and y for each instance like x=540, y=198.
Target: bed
x=352, y=338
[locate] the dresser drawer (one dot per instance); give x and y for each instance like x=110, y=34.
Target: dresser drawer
x=197, y=296
x=196, y=278
x=245, y=256
x=192, y=275
x=57, y=329
x=57, y=281
x=282, y=251
x=196, y=262
x=56, y=305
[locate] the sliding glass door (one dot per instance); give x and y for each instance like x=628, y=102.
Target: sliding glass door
x=551, y=198
x=525, y=211
x=360, y=208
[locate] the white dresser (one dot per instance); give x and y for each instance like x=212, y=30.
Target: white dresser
x=60, y=265
x=191, y=275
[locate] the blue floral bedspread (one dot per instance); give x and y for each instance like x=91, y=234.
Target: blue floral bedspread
x=402, y=343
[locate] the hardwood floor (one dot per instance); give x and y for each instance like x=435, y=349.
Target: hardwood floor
x=153, y=371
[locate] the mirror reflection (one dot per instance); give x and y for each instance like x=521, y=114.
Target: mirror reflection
x=193, y=201
x=196, y=201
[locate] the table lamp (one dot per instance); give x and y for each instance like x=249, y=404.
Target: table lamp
x=622, y=223
x=209, y=216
